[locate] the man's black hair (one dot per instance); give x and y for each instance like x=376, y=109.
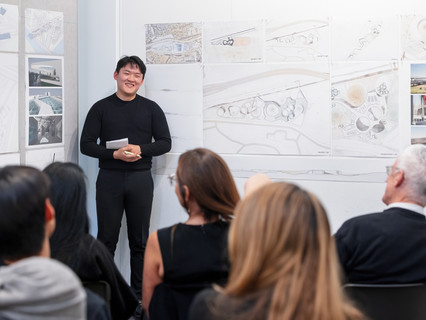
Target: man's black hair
x=134, y=61
x=23, y=194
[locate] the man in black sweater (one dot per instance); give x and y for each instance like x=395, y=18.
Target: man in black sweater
x=124, y=180
x=389, y=247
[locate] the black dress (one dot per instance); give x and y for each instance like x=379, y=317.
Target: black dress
x=194, y=257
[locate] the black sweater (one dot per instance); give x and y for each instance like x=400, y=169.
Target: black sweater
x=140, y=120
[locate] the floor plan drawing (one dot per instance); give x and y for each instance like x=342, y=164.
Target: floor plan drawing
x=364, y=104
x=9, y=133
x=226, y=42
x=274, y=109
x=364, y=39
x=299, y=40
x=44, y=31
x=8, y=27
x=173, y=43
x=413, y=37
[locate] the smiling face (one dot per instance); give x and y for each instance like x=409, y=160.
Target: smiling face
x=129, y=80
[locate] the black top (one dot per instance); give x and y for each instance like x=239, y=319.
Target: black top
x=91, y=261
x=139, y=120
x=194, y=257
x=388, y=247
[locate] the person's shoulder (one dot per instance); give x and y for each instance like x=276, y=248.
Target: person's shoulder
x=148, y=102
x=362, y=222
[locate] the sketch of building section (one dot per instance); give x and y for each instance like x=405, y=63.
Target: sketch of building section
x=178, y=90
x=364, y=39
x=8, y=27
x=267, y=109
x=42, y=158
x=45, y=130
x=9, y=128
x=303, y=168
x=364, y=106
x=45, y=101
x=225, y=42
x=413, y=37
x=173, y=43
x=44, y=31
x=298, y=40
x=44, y=71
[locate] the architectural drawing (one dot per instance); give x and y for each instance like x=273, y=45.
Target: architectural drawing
x=45, y=101
x=299, y=40
x=8, y=27
x=181, y=101
x=233, y=42
x=413, y=37
x=44, y=31
x=9, y=130
x=173, y=43
x=267, y=109
x=363, y=39
x=44, y=71
x=364, y=105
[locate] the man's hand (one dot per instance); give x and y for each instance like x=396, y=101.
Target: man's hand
x=129, y=153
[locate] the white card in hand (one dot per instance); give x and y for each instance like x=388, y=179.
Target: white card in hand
x=117, y=144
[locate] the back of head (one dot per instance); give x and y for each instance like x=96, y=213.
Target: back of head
x=210, y=182
x=280, y=245
x=134, y=61
x=23, y=194
x=413, y=162
x=68, y=197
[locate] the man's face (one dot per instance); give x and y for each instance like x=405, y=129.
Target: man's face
x=129, y=80
x=390, y=186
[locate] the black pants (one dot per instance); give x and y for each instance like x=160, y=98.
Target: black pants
x=131, y=192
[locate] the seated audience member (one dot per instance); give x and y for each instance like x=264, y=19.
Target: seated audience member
x=183, y=259
x=389, y=247
x=72, y=244
x=255, y=182
x=283, y=262
x=32, y=286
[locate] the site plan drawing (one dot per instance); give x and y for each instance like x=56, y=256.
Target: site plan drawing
x=44, y=31
x=298, y=40
x=173, y=43
x=267, y=109
x=364, y=104
x=413, y=37
x=9, y=130
x=8, y=27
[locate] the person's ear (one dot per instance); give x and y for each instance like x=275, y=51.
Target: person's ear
x=115, y=75
x=399, y=177
x=186, y=193
x=50, y=217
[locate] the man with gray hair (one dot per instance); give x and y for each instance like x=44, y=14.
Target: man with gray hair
x=389, y=247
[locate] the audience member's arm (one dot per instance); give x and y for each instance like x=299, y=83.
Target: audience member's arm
x=255, y=182
x=153, y=271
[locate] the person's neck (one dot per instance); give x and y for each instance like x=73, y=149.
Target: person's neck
x=124, y=97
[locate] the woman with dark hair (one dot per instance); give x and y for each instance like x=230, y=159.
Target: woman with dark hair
x=183, y=259
x=72, y=244
x=283, y=262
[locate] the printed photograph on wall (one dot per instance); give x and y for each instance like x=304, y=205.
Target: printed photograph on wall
x=44, y=100
x=418, y=78
x=418, y=134
x=45, y=71
x=44, y=31
x=8, y=27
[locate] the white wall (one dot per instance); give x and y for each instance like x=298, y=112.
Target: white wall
x=109, y=29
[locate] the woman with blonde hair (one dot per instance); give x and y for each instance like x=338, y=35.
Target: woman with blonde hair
x=187, y=257
x=283, y=262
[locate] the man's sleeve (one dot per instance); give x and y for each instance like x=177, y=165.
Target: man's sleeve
x=161, y=134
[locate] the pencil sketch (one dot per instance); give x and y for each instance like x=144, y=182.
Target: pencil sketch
x=8, y=27
x=9, y=133
x=364, y=104
x=298, y=40
x=233, y=41
x=267, y=109
x=364, y=39
x=44, y=31
x=169, y=43
x=413, y=37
